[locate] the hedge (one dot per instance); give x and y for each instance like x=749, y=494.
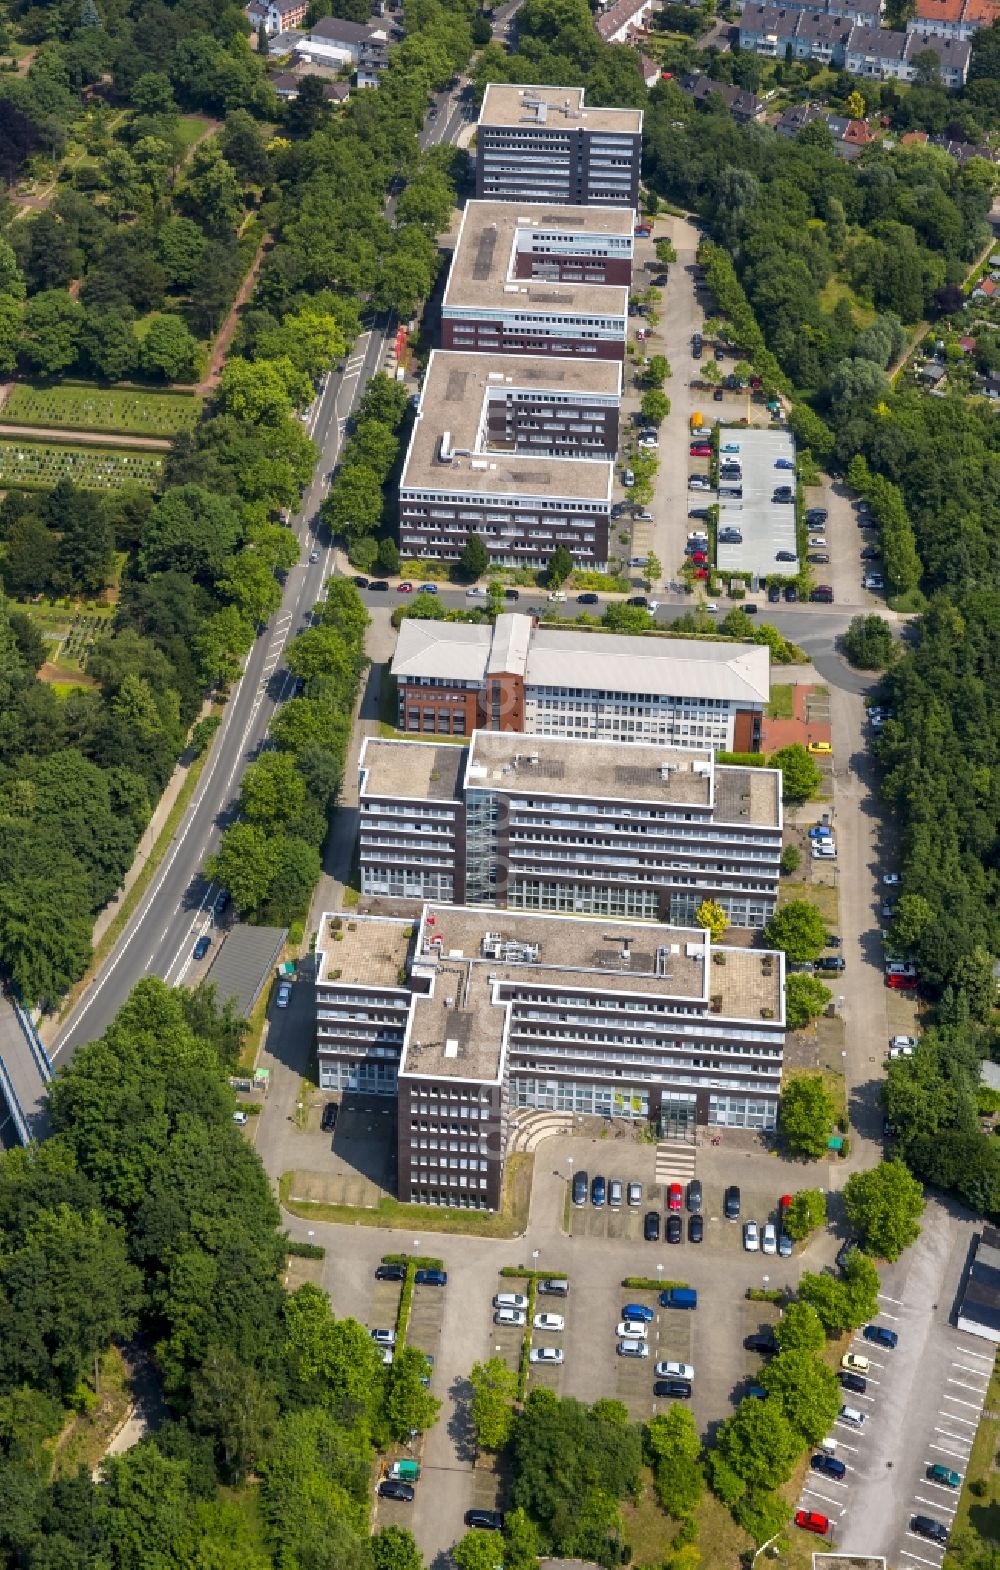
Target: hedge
x=304, y=1250
x=651, y=1284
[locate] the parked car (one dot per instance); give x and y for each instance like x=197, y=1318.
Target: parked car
x=694, y=1194
x=784, y=1246
x=587, y=599
x=651, y=1226
x=672, y=1389
x=383, y=1337
x=240, y=1118
x=630, y=1347
x=598, y=1191
x=675, y=1196
x=812, y=1521
x=634, y=1195
x=763, y=1345
x=284, y=995
x=944, y=1475
x=638, y=1311
x=486, y=1520
x=816, y=515
x=784, y=556
x=431, y=1278
x=784, y=463
x=696, y=1228
x=902, y=1042
x=892, y=880
x=854, y=1363
x=830, y=1466
x=510, y=1316
x=751, y=1237
x=926, y=1526
x=390, y=1272
x=674, y=1371
x=854, y=1382
x=769, y=1239
x=581, y=1187
x=392, y=1488
x=404, y=588
x=328, y=1121
x=881, y=1335
x=202, y=947
x=674, y=1230
x=732, y=1203
x=546, y=1354
x=510, y=1300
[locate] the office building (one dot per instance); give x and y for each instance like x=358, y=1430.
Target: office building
x=539, y=281
x=543, y=144
x=519, y=452
x=452, y=679
x=465, y=1014
x=582, y=827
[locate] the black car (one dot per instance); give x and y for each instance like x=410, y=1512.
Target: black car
x=431, y=1277
x=928, y=1527
x=379, y=586
x=651, y=1226
x=784, y=555
x=359, y=582
x=587, y=599
x=221, y=902
x=392, y=1489
x=791, y=593
x=675, y=1229
x=639, y=600
x=581, y=1186
x=833, y=941
x=488, y=1520
x=774, y=594
x=818, y=559
x=328, y=1122
x=831, y=962
x=674, y=1389
x=201, y=948
x=764, y=1346
x=618, y=510
x=511, y=594
x=598, y=1191
x=720, y=354
x=855, y=1382
x=749, y=610
x=717, y=395
x=698, y=512
x=694, y=1194
x=870, y=553
x=731, y=1205
x=696, y=1228
x=390, y=1273
x=828, y=1465
x=816, y=515
x=844, y=1252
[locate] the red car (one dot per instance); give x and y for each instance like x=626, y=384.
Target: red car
x=698, y=556
x=700, y=450
x=675, y=1196
x=902, y=983
x=812, y=1521
x=404, y=588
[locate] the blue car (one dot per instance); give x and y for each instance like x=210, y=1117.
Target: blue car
x=598, y=1192
x=784, y=463
x=427, y=588
x=637, y=1311
x=201, y=948
x=819, y=831
x=828, y=1465
x=431, y=1278
x=880, y=1335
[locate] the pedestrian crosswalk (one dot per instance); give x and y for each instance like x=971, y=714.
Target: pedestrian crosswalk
x=675, y=1161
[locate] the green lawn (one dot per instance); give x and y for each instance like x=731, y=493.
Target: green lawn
x=780, y=706
x=835, y=289
x=509, y=1221
x=190, y=127
x=39, y=465
x=77, y=408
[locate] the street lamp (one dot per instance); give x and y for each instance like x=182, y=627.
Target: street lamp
x=534, y=1257
x=659, y=1272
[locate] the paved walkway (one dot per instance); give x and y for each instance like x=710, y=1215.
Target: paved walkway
x=44, y=433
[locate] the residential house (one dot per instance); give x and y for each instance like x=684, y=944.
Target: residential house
x=362, y=46
x=286, y=85
x=866, y=12
x=990, y=387
x=282, y=44
x=619, y=21
x=850, y=137
x=953, y=18
x=887, y=55
x=277, y=16
x=650, y=70
x=986, y=289
x=742, y=105
x=772, y=31
x=796, y=118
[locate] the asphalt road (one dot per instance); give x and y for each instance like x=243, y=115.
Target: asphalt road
x=176, y=910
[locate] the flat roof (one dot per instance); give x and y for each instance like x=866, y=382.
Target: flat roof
x=244, y=964
x=669, y=667
x=452, y=417
x=418, y=770
x=623, y=771
x=363, y=950
x=558, y=108
x=482, y=266
x=642, y=957
x=584, y=659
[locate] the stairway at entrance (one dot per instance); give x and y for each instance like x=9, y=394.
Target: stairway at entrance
x=675, y=1161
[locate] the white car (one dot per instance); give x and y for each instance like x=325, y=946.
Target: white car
x=648, y=441
x=699, y=482
x=824, y=850
x=631, y=1329
x=712, y=608
x=903, y=1041
x=630, y=1347
x=549, y=1322
x=476, y=594
x=557, y=597
x=751, y=1237
x=817, y=542
x=314, y=555
x=387, y=1356
x=892, y=880
x=510, y=1316
x=240, y=1118
x=510, y=1300
x=674, y=1370
x=653, y=606
x=769, y=1239
x=383, y=1337
x=546, y=1354
x=284, y=995
x=901, y=1052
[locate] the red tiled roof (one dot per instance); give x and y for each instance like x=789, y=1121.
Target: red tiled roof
x=939, y=10
x=912, y=138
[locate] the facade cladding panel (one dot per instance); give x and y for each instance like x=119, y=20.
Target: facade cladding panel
x=554, y=164
x=497, y=334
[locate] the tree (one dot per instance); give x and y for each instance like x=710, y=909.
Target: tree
x=806, y=1212
x=395, y=1548
x=236, y=1406
x=475, y=558
x=653, y=569
x=409, y=1404
x=272, y=791
x=109, y=345
x=758, y=1443
x=800, y=1329
x=520, y=1542
x=246, y=864
x=884, y=1205
x=791, y=860
x=476, y=1551
x=181, y=246
x=808, y=1391
x=559, y=568
x=353, y=507
x=675, y=1445
x=494, y=1391
x=51, y=325
x=805, y=999
x=263, y=392
x=801, y=776
x=806, y=1116
x=798, y=928
x=169, y=350
x=868, y=643
x=847, y=1303
x=711, y=915
x=655, y=406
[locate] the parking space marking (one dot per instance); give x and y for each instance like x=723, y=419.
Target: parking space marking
x=980, y=1373
x=885, y=1312
x=937, y=1504
x=956, y=1417
x=827, y=1500
x=980, y=1357
x=852, y=1448
x=922, y=1541
x=958, y=1439
x=974, y=1405
x=928, y=1483
x=884, y=1297
x=946, y=1450
x=911, y=1555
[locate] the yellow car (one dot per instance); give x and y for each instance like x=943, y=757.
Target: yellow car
x=824, y=748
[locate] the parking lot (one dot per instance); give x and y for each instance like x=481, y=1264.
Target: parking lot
x=767, y=526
